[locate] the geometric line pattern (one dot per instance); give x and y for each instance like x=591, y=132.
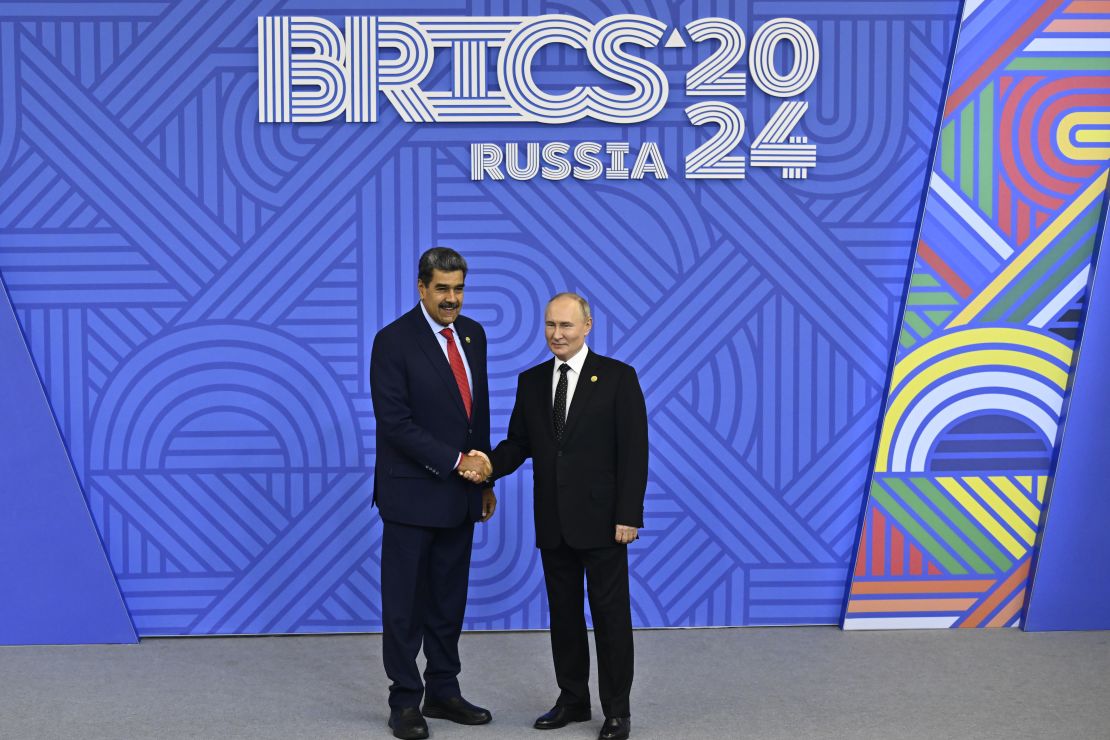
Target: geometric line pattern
x=200, y=291
x=993, y=306
x=945, y=551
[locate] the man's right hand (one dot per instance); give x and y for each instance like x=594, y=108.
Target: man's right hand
x=475, y=466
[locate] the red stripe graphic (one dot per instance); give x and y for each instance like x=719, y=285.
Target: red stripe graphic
x=972, y=83
x=940, y=267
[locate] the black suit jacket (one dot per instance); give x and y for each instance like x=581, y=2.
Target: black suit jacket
x=595, y=477
x=422, y=425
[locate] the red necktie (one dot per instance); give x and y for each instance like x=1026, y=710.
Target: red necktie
x=458, y=369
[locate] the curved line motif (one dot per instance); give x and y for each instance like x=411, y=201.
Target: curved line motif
x=658, y=213
x=413, y=61
x=1028, y=120
x=175, y=375
x=605, y=51
x=807, y=57
x=978, y=336
x=1086, y=127
x=861, y=143
x=515, y=292
x=261, y=159
x=951, y=355
x=738, y=404
x=9, y=96
x=1022, y=407
x=229, y=419
x=1071, y=173
x=954, y=394
x=909, y=395
x=221, y=384
x=514, y=65
x=509, y=560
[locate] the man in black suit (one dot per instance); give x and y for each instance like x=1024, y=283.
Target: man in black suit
x=582, y=420
x=431, y=402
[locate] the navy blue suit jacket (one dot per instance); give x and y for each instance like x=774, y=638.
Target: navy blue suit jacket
x=422, y=425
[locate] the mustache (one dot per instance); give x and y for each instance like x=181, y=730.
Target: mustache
x=446, y=304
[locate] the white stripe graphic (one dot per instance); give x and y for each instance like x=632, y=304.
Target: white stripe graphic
x=1064, y=43
x=970, y=6
x=898, y=623
x=973, y=219
x=1066, y=295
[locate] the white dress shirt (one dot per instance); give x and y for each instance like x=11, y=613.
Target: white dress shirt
x=573, y=374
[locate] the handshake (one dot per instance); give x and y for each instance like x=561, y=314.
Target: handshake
x=475, y=467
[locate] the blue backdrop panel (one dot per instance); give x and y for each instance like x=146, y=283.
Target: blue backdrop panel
x=1071, y=583
x=200, y=292
x=55, y=583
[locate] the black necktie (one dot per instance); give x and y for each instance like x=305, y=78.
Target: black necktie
x=559, y=410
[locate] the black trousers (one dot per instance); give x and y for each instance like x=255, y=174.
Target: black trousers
x=425, y=571
x=606, y=574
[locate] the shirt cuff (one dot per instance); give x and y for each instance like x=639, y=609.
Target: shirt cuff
x=458, y=462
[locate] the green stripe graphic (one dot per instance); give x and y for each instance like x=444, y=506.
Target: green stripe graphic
x=915, y=530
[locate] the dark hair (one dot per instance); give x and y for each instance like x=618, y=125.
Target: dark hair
x=443, y=259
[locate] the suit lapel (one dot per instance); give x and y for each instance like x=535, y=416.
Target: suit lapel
x=543, y=391
x=428, y=342
x=583, y=391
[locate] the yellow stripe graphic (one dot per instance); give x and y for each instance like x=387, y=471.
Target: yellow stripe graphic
x=977, y=358
x=1002, y=509
x=1019, y=499
x=970, y=337
x=1093, y=132
x=981, y=515
x=1030, y=253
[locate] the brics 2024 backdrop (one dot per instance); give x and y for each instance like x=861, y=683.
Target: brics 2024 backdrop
x=209, y=209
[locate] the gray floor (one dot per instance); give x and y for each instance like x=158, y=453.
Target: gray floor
x=729, y=683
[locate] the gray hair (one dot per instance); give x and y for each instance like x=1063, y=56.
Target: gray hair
x=443, y=259
x=582, y=302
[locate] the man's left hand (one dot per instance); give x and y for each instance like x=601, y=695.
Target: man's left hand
x=625, y=534
x=489, y=504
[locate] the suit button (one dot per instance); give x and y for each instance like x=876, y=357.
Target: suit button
x=559, y=453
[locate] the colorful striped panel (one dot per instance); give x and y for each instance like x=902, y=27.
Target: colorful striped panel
x=994, y=304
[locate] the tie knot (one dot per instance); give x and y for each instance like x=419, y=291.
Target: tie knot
x=449, y=334
x=564, y=368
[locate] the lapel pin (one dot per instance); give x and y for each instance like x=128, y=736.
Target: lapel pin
x=467, y=339
x=593, y=378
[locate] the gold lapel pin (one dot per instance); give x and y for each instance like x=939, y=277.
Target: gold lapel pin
x=593, y=378
x=467, y=339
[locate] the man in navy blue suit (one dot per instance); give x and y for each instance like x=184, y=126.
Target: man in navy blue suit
x=431, y=403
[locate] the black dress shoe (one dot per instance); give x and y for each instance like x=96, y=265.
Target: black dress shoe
x=561, y=716
x=615, y=728
x=456, y=709
x=407, y=723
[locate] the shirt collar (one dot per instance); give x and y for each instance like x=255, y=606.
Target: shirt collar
x=436, y=326
x=575, y=362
